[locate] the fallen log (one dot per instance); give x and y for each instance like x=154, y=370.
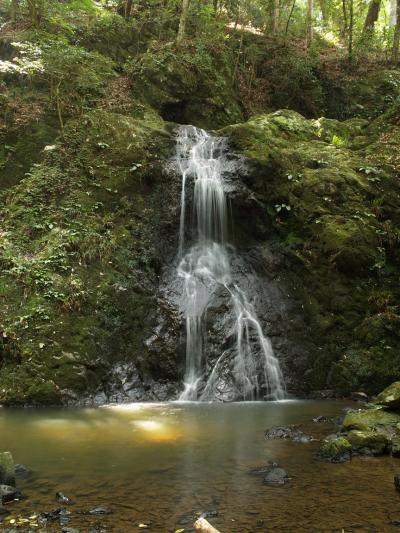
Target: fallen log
x=204, y=526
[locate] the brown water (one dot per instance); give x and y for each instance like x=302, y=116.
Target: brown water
x=159, y=464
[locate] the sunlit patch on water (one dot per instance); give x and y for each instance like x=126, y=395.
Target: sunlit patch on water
x=160, y=462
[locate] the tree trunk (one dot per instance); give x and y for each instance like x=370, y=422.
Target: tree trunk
x=183, y=21
x=289, y=18
x=310, y=16
x=371, y=18
x=396, y=37
x=275, y=17
x=124, y=8
x=393, y=14
x=324, y=12
x=345, y=25
x=14, y=11
x=351, y=31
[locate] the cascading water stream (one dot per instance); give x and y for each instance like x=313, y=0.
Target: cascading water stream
x=204, y=266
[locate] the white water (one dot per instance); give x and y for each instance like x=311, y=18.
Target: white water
x=204, y=266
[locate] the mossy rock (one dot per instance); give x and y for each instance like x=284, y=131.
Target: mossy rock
x=370, y=420
x=335, y=450
x=390, y=397
x=187, y=86
x=368, y=442
x=7, y=469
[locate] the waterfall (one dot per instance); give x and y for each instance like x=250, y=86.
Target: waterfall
x=204, y=266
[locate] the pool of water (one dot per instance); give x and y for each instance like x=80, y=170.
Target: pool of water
x=161, y=464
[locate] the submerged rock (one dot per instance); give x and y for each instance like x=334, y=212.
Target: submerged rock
x=22, y=472
x=276, y=476
x=390, y=397
x=335, y=449
x=100, y=511
x=288, y=432
x=262, y=470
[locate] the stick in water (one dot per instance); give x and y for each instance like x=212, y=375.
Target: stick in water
x=204, y=527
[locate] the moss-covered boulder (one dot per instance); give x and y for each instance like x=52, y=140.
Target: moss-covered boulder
x=7, y=469
x=335, y=450
x=371, y=420
x=390, y=397
x=368, y=442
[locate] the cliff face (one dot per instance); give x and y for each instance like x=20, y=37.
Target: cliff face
x=90, y=215
x=326, y=193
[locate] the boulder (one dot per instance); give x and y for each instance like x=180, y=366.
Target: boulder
x=390, y=397
x=368, y=442
x=8, y=494
x=7, y=469
x=335, y=449
x=276, y=476
x=371, y=420
x=288, y=432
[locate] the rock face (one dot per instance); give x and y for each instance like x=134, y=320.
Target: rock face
x=313, y=186
x=93, y=267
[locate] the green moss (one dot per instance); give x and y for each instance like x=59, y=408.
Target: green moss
x=332, y=207
x=390, y=397
x=79, y=251
x=335, y=450
x=370, y=420
x=192, y=86
x=376, y=443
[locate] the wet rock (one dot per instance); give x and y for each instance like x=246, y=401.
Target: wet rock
x=335, y=449
x=62, y=498
x=60, y=514
x=288, y=432
x=368, y=442
x=390, y=397
x=321, y=419
x=277, y=476
x=9, y=494
x=262, y=470
x=69, y=530
x=359, y=397
x=7, y=475
x=100, y=511
x=22, y=472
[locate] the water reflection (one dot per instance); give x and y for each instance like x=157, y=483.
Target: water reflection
x=154, y=463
